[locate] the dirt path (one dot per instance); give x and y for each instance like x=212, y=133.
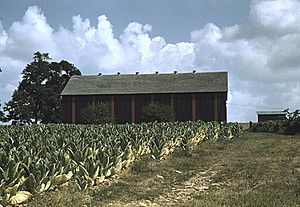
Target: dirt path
x=180, y=192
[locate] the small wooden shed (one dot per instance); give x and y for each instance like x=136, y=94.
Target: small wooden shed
x=270, y=115
x=192, y=96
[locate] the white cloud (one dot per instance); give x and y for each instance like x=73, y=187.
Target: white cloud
x=3, y=37
x=98, y=50
x=277, y=15
x=31, y=34
x=10, y=76
x=262, y=57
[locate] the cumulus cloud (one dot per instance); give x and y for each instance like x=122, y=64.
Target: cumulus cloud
x=3, y=37
x=261, y=56
x=97, y=49
x=280, y=16
x=31, y=34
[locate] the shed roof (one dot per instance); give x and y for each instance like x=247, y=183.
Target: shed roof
x=147, y=83
x=270, y=113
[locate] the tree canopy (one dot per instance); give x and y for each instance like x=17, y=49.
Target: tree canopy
x=1, y=113
x=37, y=98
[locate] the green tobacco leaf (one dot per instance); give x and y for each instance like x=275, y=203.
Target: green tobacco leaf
x=30, y=183
x=5, y=199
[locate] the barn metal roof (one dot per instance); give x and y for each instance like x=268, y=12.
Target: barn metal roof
x=147, y=83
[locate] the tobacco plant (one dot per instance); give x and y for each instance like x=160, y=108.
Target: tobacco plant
x=36, y=158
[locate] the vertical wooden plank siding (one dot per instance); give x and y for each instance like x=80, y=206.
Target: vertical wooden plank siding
x=194, y=113
x=172, y=101
x=113, y=108
x=216, y=107
x=93, y=101
x=152, y=99
x=132, y=108
x=73, y=110
x=226, y=108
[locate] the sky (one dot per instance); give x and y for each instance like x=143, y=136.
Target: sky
x=256, y=41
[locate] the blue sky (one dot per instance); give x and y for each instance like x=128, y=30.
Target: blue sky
x=257, y=42
x=172, y=19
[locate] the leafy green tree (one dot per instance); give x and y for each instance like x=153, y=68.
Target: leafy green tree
x=292, y=122
x=37, y=98
x=1, y=114
x=97, y=113
x=157, y=112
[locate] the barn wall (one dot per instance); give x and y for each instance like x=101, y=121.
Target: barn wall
x=67, y=109
x=222, y=106
x=208, y=106
x=183, y=107
x=140, y=102
x=123, y=109
x=211, y=106
x=103, y=98
x=162, y=99
x=81, y=103
x=205, y=106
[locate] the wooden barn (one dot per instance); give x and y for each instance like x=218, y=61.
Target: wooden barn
x=192, y=96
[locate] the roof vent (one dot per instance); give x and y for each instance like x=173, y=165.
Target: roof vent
x=99, y=74
x=118, y=73
x=194, y=71
x=137, y=72
x=175, y=71
x=156, y=72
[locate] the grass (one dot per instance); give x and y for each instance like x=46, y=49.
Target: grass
x=258, y=169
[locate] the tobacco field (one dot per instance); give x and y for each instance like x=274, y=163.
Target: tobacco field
x=37, y=158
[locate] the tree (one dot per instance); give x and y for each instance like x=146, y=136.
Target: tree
x=1, y=114
x=157, y=112
x=97, y=113
x=37, y=98
x=292, y=122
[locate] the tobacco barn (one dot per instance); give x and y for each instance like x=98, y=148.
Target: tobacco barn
x=192, y=96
